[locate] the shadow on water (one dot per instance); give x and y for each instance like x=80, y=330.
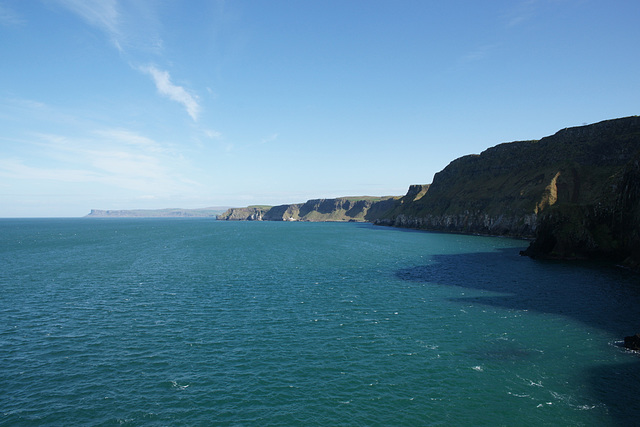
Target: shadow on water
x=600, y=296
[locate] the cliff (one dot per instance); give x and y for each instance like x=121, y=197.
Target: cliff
x=339, y=209
x=250, y=213
x=605, y=228
x=577, y=192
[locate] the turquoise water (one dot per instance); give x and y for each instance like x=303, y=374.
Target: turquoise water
x=202, y=322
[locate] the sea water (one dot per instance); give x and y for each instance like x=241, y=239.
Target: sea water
x=204, y=322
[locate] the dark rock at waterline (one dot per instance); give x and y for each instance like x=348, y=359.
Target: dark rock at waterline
x=632, y=342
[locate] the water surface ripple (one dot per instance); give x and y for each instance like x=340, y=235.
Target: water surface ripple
x=200, y=322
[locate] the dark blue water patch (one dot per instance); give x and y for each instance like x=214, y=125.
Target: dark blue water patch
x=602, y=296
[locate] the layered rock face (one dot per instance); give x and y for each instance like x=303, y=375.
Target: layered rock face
x=577, y=192
x=250, y=213
x=607, y=227
x=339, y=209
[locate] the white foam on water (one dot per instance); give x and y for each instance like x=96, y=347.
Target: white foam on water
x=518, y=395
x=175, y=384
x=531, y=382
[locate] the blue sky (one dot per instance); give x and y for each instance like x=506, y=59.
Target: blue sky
x=113, y=104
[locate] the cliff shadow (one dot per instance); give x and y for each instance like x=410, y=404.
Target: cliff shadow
x=582, y=290
x=618, y=387
x=600, y=296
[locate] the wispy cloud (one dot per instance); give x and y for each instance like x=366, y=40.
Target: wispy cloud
x=14, y=168
x=114, y=157
x=9, y=17
x=479, y=53
x=212, y=134
x=162, y=79
x=514, y=16
x=132, y=27
x=270, y=138
x=521, y=12
x=131, y=138
x=102, y=14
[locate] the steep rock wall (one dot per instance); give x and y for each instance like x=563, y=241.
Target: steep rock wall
x=608, y=228
x=577, y=192
x=339, y=209
x=250, y=213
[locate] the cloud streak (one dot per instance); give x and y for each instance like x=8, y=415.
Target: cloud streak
x=9, y=17
x=117, y=20
x=478, y=54
x=521, y=12
x=270, y=138
x=132, y=139
x=165, y=87
x=131, y=25
x=14, y=168
x=113, y=157
x=102, y=14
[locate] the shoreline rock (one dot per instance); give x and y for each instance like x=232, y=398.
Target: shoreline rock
x=632, y=342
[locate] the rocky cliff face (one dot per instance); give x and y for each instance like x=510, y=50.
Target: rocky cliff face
x=339, y=209
x=606, y=228
x=250, y=213
x=577, y=192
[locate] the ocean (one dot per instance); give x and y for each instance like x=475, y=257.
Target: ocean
x=202, y=322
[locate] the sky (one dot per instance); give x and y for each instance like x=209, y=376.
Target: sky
x=145, y=104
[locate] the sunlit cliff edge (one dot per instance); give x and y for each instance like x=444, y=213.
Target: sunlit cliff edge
x=355, y=209
x=575, y=193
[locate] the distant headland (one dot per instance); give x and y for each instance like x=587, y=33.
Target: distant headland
x=158, y=213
